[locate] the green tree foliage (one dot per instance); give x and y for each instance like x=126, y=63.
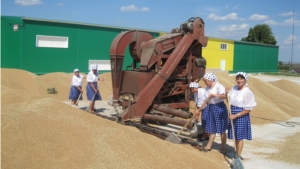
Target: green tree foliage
x=280, y=65
x=260, y=34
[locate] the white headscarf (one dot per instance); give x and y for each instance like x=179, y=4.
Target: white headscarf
x=76, y=70
x=194, y=85
x=243, y=74
x=95, y=67
x=210, y=77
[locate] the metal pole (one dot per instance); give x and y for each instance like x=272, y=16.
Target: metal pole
x=292, y=42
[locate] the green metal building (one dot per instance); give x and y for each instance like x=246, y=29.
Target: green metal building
x=43, y=46
x=255, y=57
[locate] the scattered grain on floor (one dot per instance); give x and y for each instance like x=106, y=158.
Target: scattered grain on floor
x=289, y=151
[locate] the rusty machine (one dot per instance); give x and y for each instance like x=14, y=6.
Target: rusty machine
x=156, y=87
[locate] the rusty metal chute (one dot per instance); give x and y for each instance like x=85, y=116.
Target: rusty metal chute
x=117, y=50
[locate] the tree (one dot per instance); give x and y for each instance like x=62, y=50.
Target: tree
x=279, y=65
x=260, y=34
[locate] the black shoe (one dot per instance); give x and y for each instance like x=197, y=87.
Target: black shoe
x=204, y=149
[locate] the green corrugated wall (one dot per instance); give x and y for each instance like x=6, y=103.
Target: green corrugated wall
x=250, y=57
x=10, y=43
x=18, y=48
x=85, y=43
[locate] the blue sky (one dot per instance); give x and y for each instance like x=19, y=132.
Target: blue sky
x=229, y=19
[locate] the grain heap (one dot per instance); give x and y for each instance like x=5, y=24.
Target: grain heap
x=39, y=131
x=288, y=86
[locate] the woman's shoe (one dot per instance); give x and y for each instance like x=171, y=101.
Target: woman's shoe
x=204, y=149
x=203, y=139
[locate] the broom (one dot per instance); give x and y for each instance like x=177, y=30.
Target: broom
x=94, y=94
x=81, y=93
x=173, y=138
x=236, y=163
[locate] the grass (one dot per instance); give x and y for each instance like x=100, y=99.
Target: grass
x=281, y=74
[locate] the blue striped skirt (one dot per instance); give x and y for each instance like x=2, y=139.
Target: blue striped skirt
x=74, y=93
x=90, y=92
x=216, y=118
x=242, y=125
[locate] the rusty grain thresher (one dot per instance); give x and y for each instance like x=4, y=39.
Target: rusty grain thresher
x=156, y=87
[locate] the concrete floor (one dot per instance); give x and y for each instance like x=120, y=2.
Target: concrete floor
x=100, y=106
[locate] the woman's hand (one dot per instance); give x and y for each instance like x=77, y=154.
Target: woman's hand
x=212, y=95
x=80, y=90
x=101, y=79
x=227, y=90
x=231, y=117
x=197, y=113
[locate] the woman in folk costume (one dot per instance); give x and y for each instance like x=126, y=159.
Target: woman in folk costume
x=76, y=88
x=92, y=91
x=198, y=98
x=242, y=101
x=215, y=114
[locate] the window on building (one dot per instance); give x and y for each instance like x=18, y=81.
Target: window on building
x=52, y=41
x=224, y=46
x=102, y=64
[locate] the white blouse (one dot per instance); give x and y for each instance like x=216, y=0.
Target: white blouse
x=91, y=77
x=77, y=80
x=217, y=89
x=242, y=98
x=199, y=97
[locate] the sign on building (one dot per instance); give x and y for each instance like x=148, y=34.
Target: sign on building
x=16, y=27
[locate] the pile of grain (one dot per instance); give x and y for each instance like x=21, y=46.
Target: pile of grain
x=46, y=133
x=288, y=86
x=24, y=81
x=39, y=131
